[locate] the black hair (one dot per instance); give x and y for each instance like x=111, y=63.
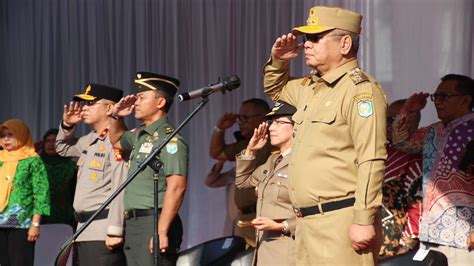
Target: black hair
x=465, y=86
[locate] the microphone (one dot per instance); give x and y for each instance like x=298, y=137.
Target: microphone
x=229, y=83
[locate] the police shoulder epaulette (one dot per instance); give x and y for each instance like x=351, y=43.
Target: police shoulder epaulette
x=168, y=130
x=118, y=155
x=357, y=76
x=103, y=134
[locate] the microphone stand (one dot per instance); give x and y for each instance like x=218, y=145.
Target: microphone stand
x=60, y=260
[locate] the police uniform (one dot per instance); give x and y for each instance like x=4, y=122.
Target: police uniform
x=140, y=142
x=101, y=170
x=338, y=154
x=270, y=180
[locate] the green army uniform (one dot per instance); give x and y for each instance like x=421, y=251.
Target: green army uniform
x=138, y=196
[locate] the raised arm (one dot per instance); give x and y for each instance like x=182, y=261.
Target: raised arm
x=117, y=125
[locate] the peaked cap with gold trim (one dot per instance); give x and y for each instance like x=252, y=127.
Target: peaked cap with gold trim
x=95, y=92
x=150, y=81
x=324, y=18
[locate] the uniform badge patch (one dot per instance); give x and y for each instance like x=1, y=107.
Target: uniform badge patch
x=172, y=146
x=365, y=107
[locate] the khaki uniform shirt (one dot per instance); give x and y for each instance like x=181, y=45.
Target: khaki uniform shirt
x=273, y=202
x=140, y=143
x=101, y=171
x=339, y=144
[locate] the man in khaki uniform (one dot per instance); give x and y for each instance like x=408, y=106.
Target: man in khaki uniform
x=101, y=170
x=338, y=155
x=251, y=114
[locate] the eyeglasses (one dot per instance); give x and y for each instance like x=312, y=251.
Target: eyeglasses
x=443, y=96
x=314, y=38
x=279, y=122
x=246, y=118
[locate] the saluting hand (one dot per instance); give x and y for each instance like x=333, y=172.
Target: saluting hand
x=258, y=140
x=286, y=47
x=227, y=120
x=72, y=113
x=125, y=106
x=415, y=103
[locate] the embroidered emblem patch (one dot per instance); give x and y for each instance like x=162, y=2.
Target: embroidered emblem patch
x=365, y=107
x=172, y=146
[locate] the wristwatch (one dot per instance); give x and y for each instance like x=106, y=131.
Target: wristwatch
x=35, y=224
x=286, y=228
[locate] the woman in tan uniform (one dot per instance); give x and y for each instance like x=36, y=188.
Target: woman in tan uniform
x=275, y=222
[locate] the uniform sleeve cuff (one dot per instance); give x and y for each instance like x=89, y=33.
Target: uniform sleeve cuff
x=278, y=63
x=242, y=156
x=364, y=217
x=113, y=230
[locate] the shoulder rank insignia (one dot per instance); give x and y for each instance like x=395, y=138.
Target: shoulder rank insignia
x=118, y=155
x=103, y=134
x=365, y=107
x=172, y=146
x=307, y=79
x=168, y=130
x=357, y=76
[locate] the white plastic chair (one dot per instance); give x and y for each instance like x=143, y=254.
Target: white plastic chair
x=50, y=241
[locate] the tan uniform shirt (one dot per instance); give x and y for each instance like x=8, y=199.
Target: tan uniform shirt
x=100, y=172
x=273, y=202
x=339, y=145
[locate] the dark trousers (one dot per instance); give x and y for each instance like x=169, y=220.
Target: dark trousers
x=139, y=231
x=15, y=249
x=96, y=253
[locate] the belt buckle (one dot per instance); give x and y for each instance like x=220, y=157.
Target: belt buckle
x=297, y=212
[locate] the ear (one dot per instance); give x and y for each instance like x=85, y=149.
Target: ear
x=161, y=103
x=346, y=44
x=109, y=109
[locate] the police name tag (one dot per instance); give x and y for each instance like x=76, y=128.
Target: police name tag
x=146, y=147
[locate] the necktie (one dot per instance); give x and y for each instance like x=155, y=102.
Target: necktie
x=278, y=160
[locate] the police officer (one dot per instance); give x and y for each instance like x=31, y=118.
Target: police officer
x=338, y=155
x=153, y=100
x=101, y=171
x=275, y=218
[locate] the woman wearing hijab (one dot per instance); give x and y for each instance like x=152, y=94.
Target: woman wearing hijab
x=61, y=178
x=24, y=194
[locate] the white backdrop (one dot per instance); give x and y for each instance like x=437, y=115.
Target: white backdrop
x=50, y=49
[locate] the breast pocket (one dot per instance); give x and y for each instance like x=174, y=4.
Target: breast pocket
x=96, y=169
x=282, y=195
x=324, y=115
